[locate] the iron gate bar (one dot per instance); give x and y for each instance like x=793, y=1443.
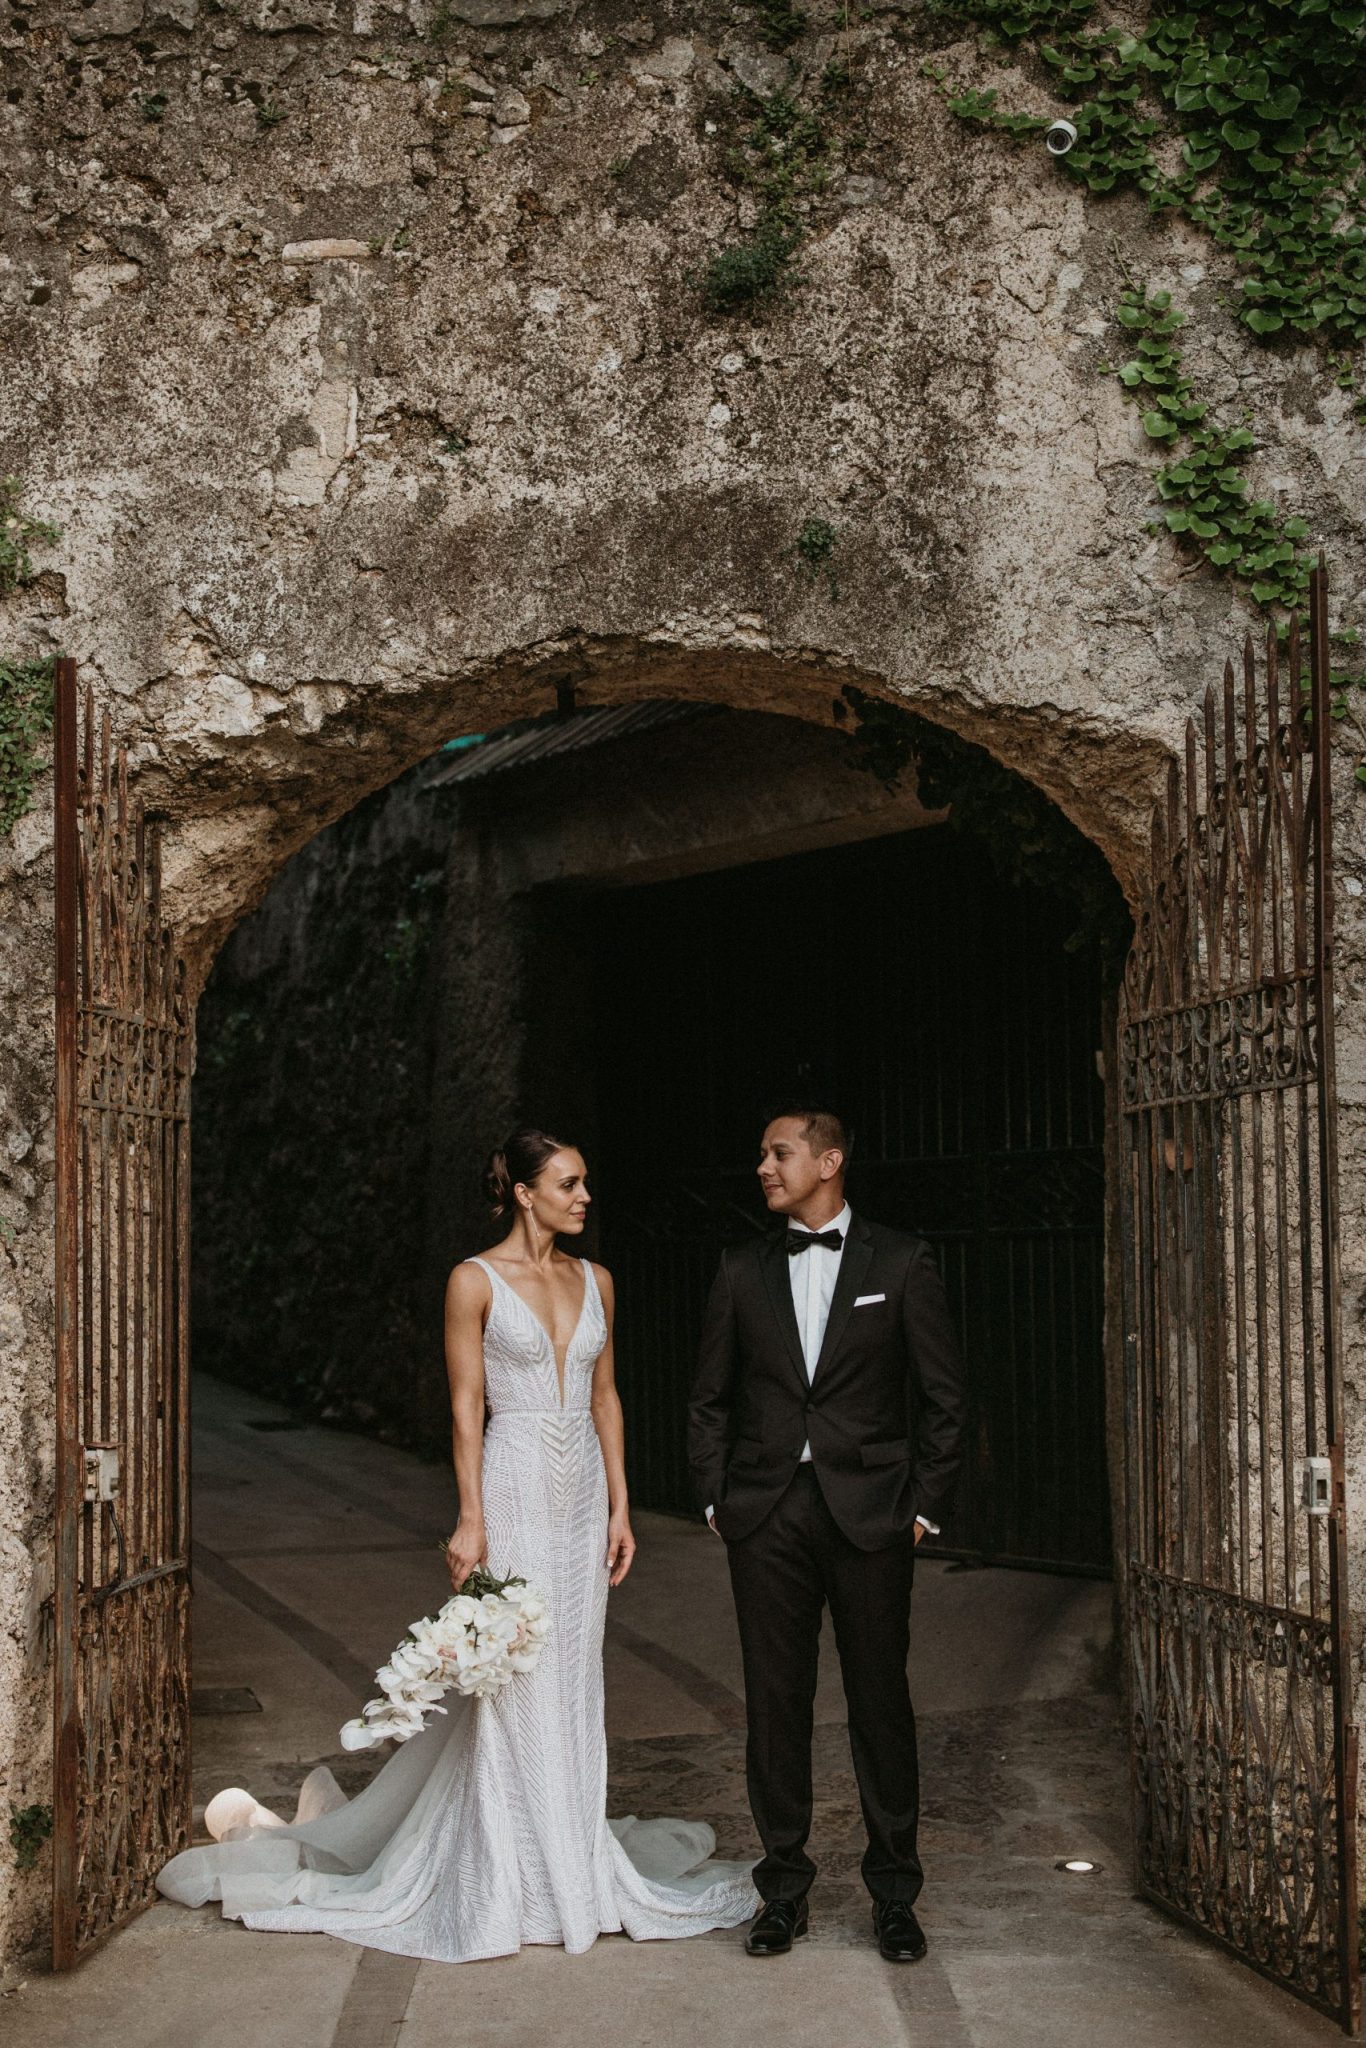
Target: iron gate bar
x=1243, y=1753
x=124, y=1052
x=69, y=1483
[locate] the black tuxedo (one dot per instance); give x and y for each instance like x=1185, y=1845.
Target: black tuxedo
x=883, y=1412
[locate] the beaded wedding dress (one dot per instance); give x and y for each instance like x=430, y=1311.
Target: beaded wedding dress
x=489, y=1829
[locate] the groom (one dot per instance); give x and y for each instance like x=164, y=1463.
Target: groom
x=824, y=1438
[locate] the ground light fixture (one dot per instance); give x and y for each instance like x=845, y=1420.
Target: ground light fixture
x=1078, y=1866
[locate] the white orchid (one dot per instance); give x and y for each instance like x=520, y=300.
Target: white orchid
x=475, y=1644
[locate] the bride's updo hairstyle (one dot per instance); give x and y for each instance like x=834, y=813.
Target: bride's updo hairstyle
x=521, y=1158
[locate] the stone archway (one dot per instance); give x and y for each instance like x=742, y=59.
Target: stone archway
x=225, y=844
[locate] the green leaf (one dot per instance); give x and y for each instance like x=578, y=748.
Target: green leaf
x=1158, y=427
x=1263, y=323
x=1238, y=137
x=1254, y=84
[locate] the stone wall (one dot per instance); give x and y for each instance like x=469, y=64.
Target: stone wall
x=372, y=422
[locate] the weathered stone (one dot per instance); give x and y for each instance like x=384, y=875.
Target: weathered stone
x=502, y=13
x=97, y=281
x=763, y=71
x=104, y=18
x=864, y=191
x=674, y=58
x=510, y=109
x=325, y=251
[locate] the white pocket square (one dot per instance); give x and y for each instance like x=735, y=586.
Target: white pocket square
x=864, y=1300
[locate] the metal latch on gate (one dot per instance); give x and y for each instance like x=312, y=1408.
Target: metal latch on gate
x=101, y=1472
x=1316, y=1485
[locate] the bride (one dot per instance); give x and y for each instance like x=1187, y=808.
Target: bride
x=489, y=1829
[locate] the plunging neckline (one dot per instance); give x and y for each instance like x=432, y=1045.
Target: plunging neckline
x=555, y=1359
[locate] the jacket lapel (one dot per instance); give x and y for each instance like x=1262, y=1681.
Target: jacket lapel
x=774, y=1261
x=858, y=1256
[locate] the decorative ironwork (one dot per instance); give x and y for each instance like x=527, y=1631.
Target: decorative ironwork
x=124, y=1053
x=1243, y=1755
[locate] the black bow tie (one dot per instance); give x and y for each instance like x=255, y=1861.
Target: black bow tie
x=802, y=1240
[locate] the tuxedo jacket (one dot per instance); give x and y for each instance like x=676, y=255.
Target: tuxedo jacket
x=884, y=1410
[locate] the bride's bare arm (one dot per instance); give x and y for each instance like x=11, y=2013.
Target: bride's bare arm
x=607, y=1420
x=467, y=1296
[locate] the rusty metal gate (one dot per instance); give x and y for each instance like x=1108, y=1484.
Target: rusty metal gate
x=1243, y=1754
x=124, y=1039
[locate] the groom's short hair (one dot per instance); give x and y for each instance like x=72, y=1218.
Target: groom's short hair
x=821, y=1128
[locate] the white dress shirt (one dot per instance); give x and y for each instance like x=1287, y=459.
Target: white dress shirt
x=812, y=1275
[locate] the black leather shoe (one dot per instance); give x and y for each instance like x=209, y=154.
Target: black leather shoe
x=775, y=1927
x=899, y=1935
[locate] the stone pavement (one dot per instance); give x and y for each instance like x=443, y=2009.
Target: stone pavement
x=315, y=1549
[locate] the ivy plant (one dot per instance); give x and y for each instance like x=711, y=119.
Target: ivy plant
x=26, y=702
x=1248, y=117
x=18, y=534
x=1205, y=497
x=789, y=153
x=29, y=1828
x=815, y=549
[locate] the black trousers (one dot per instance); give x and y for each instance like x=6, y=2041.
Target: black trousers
x=784, y=1574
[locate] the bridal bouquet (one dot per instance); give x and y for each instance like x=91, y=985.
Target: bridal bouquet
x=490, y=1629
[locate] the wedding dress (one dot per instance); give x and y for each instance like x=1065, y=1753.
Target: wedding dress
x=489, y=1829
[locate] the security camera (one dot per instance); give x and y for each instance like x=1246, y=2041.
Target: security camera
x=1060, y=137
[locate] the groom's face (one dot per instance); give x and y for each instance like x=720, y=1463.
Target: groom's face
x=789, y=1171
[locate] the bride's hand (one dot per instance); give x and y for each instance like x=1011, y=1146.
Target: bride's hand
x=467, y=1548
x=621, y=1547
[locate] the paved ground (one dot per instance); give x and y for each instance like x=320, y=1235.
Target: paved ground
x=313, y=1552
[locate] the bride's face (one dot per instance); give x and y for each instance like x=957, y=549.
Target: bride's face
x=558, y=1198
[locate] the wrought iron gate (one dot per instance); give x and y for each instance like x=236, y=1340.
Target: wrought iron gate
x=1243, y=1755
x=124, y=1038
